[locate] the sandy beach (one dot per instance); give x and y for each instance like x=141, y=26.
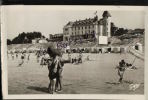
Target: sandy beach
x=97, y=76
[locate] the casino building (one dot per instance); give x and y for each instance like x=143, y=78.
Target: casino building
x=91, y=28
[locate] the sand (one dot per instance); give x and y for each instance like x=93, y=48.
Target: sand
x=97, y=76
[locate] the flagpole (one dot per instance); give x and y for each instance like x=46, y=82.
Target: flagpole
x=95, y=13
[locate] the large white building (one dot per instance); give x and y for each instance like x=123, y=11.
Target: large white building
x=88, y=28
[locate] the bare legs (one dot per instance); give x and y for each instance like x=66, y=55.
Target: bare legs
x=120, y=73
x=58, y=83
x=51, y=86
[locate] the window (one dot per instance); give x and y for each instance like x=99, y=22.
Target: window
x=66, y=29
x=85, y=32
x=93, y=32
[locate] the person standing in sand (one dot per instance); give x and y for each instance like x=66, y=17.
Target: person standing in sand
x=59, y=85
x=121, y=70
x=55, y=70
x=22, y=59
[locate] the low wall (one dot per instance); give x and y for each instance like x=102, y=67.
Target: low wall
x=136, y=53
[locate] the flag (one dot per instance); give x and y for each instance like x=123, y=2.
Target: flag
x=95, y=13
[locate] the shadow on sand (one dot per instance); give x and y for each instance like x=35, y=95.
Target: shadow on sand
x=41, y=89
x=112, y=83
x=117, y=83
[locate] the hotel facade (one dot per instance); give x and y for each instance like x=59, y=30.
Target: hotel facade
x=92, y=28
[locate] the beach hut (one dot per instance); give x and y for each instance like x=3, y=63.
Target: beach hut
x=104, y=50
x=87, y=50
x=115, y=50
x=93, y=50
x=138, y=47
x=100, y=50
x=122, y=49
x=109, y=49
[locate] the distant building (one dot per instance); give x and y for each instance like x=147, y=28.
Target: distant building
x=42, y=41
x=56, y=37
x=39, y=40
x=88, y=28
x=130, y=31
x=34, y=41
x=136, y=31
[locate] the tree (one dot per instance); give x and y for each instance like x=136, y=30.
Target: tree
x=26, y=37
x=121, y=31
x=113, y=29
x=8, y=41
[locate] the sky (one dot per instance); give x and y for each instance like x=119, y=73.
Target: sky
x=50, y=20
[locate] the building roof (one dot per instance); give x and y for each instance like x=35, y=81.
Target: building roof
x=88, y=21
x=42, y=39
x=56, y=35
x=70, y=23
x=106, y=14
x=101, y=22
x=83, y=22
